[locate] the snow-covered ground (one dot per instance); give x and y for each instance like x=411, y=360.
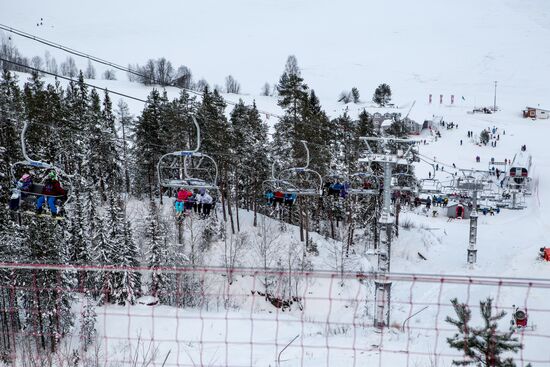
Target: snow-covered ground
x=419, y=48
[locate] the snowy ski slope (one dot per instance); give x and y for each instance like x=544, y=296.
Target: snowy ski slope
x=419, y=48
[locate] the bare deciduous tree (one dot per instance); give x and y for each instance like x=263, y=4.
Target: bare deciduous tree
x=164, y=71
x=266, y=89
x=184, y=77
x=109, y=74
x=68, y=68
x=231, y=85
x=90, y=71
x=201, y=85
x=36, y=62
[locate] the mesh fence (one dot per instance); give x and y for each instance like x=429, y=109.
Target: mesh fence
x=60, y=315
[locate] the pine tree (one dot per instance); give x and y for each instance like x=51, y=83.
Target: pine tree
x=101, y=245
x=482, y=346
x=156, y=255
x=382, y=95
x=76, y=232
x=148, y=144
x=88, y=319
x=12, y=249
x=130, y=283
x=10, y=110
x=126, y=123
x=355, y=95
x=110, y=148
x=250, y=150
x=366, y=125
x=48, y=308
x=216, y=131
x=293, y=95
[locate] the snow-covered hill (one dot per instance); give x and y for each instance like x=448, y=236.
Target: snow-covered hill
x=419, y=48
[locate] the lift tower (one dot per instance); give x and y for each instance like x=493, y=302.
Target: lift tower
x=394, y=152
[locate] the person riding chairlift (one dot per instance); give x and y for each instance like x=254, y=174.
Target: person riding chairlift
x=278, y=197
x=180, y=200
x=21, y=187
x=51, y=190
x=205, y=202
x=335, y=189
x=289, y=198
x=269, y=197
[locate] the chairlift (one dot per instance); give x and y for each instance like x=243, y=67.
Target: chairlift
x=302, y=181
x=31, y=166
x=430, y=186
x=364, y=183
x=399, y=185
x=188, y=169
x=274, y=184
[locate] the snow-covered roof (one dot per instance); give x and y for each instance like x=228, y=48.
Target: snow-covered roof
x=538, y=108
x=386, y=123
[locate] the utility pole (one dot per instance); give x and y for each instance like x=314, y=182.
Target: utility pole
x=495, y=100
x=382, y=284
x=472, y=251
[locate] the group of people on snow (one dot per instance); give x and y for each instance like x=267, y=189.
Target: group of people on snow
x=199, y=201
x=51, y=192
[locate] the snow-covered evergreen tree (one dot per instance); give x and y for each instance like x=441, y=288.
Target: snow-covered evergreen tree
x=48, y=308
x=157, y=256
x=148, y=144
x=11, y=108
x=484, y=345
x=382, y=95
x=88, y=319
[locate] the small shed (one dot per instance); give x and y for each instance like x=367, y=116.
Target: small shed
x=536, y=113
x=453, y=209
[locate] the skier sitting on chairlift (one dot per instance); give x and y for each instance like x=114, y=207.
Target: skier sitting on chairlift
x=269, y=197
x=180, y=200
x=335, y=189
x=190, y=203
x=24, y=184
x=205, y=202
x=290, y=198
x=51, y=189
x=278, y=197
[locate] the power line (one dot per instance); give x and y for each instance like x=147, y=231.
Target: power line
x=107, y=63
x=92, y=86
x=72, y=80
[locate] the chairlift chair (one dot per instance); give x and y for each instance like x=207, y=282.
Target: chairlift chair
x=359, y=180
x=399, y=185
x=188, y=169
x=302, y=181
x=31, y=166
x=274, y=184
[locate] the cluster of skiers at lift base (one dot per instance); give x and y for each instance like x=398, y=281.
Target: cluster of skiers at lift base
x=51, y=192
x=198, y=201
